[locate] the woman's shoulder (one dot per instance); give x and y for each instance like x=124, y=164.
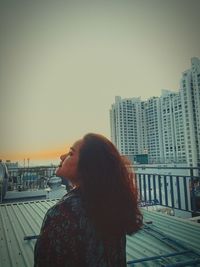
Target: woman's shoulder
x=70, y=203
x=71, y=196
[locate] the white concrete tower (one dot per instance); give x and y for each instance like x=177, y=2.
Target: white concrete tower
x=126, y=127
x=190, y=95
x=172, y=127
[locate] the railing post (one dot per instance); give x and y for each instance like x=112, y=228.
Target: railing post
x=154, y=187
x=172, y=191
x=140, y=186
x=159, y=188
x=144, y=187
x=149, y=187
x=178, y=192
x=1, y=184
x=193, y=204
x=185, y=193
x=165, y=190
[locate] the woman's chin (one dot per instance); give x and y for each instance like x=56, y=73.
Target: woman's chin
x=57, y=172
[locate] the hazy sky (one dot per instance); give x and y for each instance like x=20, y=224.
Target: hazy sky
x=63, y=62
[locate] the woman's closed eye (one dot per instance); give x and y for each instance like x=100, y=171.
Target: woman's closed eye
x=69, y=154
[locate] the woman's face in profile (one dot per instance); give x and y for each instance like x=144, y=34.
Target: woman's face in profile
x=69, y=162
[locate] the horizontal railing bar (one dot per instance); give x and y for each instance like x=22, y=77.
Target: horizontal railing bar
x=31, y=237
x=184, y=263
x=159, y=167
x=167, y=175
x=159, y=257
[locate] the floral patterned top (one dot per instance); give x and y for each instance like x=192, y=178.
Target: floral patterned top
x=68, y=238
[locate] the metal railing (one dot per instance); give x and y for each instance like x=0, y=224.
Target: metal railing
x=173, y=187
x=30, y=178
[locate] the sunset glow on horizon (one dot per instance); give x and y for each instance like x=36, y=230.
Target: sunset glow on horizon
x=53, y=154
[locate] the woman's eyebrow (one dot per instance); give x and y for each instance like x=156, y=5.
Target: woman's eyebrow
x=72, y=148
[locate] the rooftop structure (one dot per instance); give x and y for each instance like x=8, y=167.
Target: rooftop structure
x=163, y=241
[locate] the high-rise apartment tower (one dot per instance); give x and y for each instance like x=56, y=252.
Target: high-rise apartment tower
x=167, y=128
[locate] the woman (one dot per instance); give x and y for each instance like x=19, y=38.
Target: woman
x=88, y=226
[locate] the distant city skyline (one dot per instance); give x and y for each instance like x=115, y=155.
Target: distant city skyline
x=161, y=130
x=63, y=63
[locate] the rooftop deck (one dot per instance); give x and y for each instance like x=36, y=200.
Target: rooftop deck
x=163, y=241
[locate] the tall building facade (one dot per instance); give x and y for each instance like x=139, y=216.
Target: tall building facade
x=125, y=132
x=173, y=137
x=154, y=130
x=167, y=128
x=190, y=96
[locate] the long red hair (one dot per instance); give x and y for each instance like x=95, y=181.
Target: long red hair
x=108, y=188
